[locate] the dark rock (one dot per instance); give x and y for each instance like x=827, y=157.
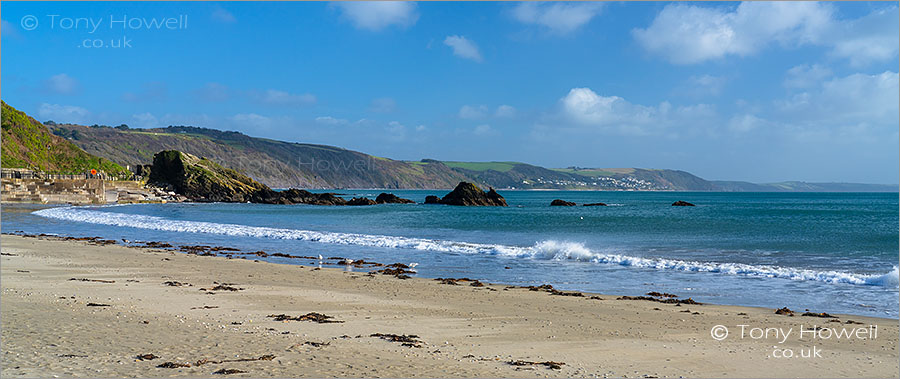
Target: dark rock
x=431, y=199
x=389, y=198
x=361, y=201
x=680, y=203
x=469, y=194
x=784, y=311
x=202, y=180
x=561, y=203
x=595, y=205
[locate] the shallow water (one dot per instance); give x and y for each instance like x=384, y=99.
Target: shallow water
x=832, y=252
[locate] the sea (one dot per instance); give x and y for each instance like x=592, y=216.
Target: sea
x=826, y=252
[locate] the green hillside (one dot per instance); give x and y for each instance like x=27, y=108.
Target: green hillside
x=26, y=143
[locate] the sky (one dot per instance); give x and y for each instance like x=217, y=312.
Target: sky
x=754, y=91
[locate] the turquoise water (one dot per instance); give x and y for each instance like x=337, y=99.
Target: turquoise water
x=832, y=252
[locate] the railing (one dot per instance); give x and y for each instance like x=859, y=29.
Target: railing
x=29, y=174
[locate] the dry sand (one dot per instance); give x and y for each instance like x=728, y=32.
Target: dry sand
x=48, y=330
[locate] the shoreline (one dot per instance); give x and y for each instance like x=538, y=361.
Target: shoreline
x=461, y=330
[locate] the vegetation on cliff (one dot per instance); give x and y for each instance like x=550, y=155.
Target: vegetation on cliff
x=26, y=143
x=201, y=179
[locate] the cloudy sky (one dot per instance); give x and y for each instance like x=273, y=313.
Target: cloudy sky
x=744, y=91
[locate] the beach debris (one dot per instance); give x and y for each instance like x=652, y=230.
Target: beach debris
x=172, y=283
x=853, y=322
x=553, y=291
x=9, y=254
x=784, y=311
x=206, y=307
x=410, y=340
x=742, y=314
x=173, y=365
x=317, y=344
x=677, y=302
x=228, y=371
x=97, y=305
x=91, y=240
x=823, y=315
x=661, y=294
x=223, y=287
x=596, y=298
x=396, y=271
x=681, y=203
x=312, y=316
x=24, y=271
x=549, y=364
x=155, y=245
x=476, y=284
x=267, y=357
x=93, y=280
x=455, y=281
x=72, y=356
x=146, y=357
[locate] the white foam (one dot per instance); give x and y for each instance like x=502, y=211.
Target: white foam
x=545, y=250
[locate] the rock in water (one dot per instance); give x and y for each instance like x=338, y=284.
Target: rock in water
x=680, y=203
x=595, y=205
x=469, y=194
x=431, y=199
x=561, y=203
x=389, y=198
x=202, y=180
x=361, y=201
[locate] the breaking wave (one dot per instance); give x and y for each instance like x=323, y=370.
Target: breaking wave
x=543, y=250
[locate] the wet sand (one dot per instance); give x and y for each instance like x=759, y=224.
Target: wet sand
x=49, y=329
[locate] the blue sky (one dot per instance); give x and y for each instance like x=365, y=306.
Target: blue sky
x=739, y=91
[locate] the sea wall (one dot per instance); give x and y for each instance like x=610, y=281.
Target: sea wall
x=53, y=191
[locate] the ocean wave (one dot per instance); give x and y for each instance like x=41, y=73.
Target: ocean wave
x=543, y=250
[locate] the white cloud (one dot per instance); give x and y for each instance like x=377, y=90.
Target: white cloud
x=559, y=18
x=222, y=15
x=377, y=15
x=61, y=84
x=505, y=111
x=745, y=123
x=144, y=120
x=690, y=34
x=328, y=120
x=463, y=48
x=585, y=110
x=252, y=120
x=804, y=76
x=473, y=112
x=63, y=113
x=282, y=98
x=484, y=130
x=686, y=34
x=383, y=105
x=871, y=38
x=8, y=30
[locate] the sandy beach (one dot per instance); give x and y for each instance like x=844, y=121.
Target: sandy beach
x=212, y=317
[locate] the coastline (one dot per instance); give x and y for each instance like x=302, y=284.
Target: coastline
x=462, y=331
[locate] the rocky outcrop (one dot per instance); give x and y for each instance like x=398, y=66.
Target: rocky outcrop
x=389, y=198
x=468, y=194
x=431, y=199
x=595, y=205
x=361, y=201
x=561, y=203
x=202, y=180
x=680, y=203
